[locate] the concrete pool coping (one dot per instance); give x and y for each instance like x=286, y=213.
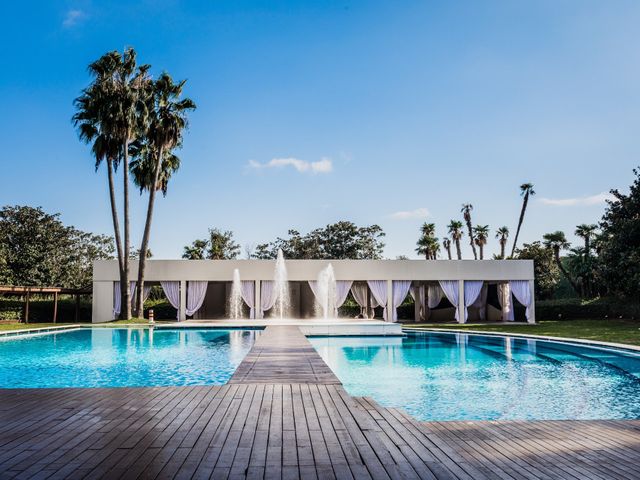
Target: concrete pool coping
x=580, y=341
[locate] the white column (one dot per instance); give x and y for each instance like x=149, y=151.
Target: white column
x=416, y=306
x=532, y=308
x=102, y=302
x=257, y=301
x=461, y=318
x=389, y=301
x=182, y=311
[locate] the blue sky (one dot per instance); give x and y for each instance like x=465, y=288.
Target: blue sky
x=392, y=113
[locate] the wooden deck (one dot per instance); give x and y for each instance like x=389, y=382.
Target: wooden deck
x=288, y=427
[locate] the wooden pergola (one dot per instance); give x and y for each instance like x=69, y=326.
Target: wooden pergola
x=26, y=292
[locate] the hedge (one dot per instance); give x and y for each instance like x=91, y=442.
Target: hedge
x=41, y=310
x=575, y=308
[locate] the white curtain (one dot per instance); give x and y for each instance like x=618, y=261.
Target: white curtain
x=472, y=289
x=196, y=291
x=521, y=290
x=247, y=291
x=450, y=289
x=359, y=292
x=418, y=295
x=481, y=302
x=172, y=292
x=117, y=299
x=399, y=289
x=342, y=290
x=504, y=298
x=268, y=295
x=434, y=296
x=379, y=292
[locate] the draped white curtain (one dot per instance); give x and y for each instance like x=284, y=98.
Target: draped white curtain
x=117, y=298
x=418, y=294
x=268, y=295
x=450, y=289
x=379, y=292
x=521, y=290
x=399, y=289
x=434, y=296
x=247, y=292
x=342, y=291
x=481, y=302
x=472, y=289
x=359, y=292
x=172, y=292
x=196, y=291
x=504, y=298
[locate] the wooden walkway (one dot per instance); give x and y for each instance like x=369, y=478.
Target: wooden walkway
x=293, y=429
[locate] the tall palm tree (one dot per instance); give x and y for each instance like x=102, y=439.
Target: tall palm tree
x=586, y=232
x=455, y=230
x=466, y=212
x=502, y=234
x=557, y=241
x=446, y=243
x=480, y=235
x=526, y=190
x=167, y=120
x=94, y=119
x=428, y=244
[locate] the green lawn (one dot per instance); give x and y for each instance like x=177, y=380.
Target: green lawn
x=23, y=326
x=610, y=330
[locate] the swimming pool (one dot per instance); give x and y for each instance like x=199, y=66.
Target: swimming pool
x=123, y=357
x=449, y=376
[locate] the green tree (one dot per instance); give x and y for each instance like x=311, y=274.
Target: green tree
x=167, y=120
x=427, y=244
x=455, y=231
x=502, y=234
x=341, y=240
x=545, y=269
x=586, y=232
x=37, y=249
x=219, y=246
x=556, y=241
x=619, y=243
x=466, y=213
x=480, y=236
x=526, y=190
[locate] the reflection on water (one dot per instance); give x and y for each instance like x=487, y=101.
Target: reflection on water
x=446, y=376
x=116, y=357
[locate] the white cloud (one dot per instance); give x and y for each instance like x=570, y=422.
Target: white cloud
x=410, y=214
x=73, y=17
x=598, y=199
x=324, y=165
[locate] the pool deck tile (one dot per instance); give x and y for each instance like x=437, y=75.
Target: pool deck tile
x=298, y=423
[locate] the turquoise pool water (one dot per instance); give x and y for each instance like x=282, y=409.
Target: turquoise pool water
x=119, y=357
x=447, y=376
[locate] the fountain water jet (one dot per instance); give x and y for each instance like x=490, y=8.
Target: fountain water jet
x=235, y=299
x=326, y=306
x=281, y=285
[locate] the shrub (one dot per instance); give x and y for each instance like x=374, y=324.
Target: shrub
x=575, y=308
x=41, y=309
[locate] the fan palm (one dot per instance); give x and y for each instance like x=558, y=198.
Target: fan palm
x=480, y=235
x=428, y=244
x=526, y=190
x=502, y=234
x=166, y=123
x=586, y=232
x=557, y=241
x=446, y=243
x=466, y=212
x=455, y=230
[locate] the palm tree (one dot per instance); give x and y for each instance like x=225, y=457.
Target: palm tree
x=455, y=230
x=557, y=241
x=428, y=244
x=480, y=235
x=466, y=212
x=93, y=119
x=502, y=234
x=526, y=190
x=586, y=232
x=167, y=122
x=446, y=243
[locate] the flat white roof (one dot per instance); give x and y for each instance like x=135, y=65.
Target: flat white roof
x=302, y=270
